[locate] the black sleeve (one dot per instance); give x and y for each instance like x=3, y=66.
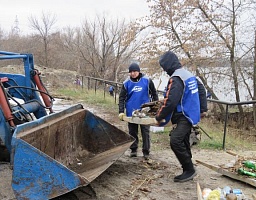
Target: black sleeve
x=122, y=99
x=152, y=91
x=202, y=97
x=173, y=96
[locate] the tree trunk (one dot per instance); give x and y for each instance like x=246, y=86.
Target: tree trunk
x=254, y=81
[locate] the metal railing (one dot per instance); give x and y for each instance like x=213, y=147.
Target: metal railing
x=118, y=85
x=227, y=112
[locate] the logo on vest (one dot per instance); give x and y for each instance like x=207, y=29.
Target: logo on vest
x=137, y=89
x=194, y=91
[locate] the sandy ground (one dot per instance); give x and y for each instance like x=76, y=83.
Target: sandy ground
x=137, y=179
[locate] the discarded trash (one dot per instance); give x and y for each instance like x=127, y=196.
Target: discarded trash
x=250, y=164
x=206, y=192
x=244, y=172
x=227, y=193
x=236, y=170
x=214, y=195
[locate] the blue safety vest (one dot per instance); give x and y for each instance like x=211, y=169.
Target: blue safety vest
x=190, y=103
x=137, y=94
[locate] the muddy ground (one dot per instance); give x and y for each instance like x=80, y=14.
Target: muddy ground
x=135, y=179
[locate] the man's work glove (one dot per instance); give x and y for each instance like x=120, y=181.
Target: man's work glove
x=157, y=123
x=121, y=116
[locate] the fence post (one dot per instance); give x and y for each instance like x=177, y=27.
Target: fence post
x=95, y=86
x=115, y=92
x=225, y=128
x=88, y=83
x=82, y=82
x=104, y=89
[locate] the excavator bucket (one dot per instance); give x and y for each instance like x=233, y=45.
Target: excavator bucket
x=63, y=151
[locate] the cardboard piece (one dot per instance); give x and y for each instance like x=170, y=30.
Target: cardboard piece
x=156, y=129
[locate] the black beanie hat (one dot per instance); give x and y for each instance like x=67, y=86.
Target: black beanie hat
x=134, y=67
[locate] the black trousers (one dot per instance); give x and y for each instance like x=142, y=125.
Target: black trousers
x=133, y=131
x=179, y=141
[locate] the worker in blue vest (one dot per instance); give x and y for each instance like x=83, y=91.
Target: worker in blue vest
x=184, y=103
x=136, y=90
x=111, y=90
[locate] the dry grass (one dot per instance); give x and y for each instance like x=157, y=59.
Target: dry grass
x=235, y=139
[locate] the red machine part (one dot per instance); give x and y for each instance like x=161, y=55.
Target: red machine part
x=4, y=79
x=40, y=86
x=4, y=103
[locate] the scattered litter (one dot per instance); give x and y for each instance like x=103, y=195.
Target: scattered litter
x=225, y=193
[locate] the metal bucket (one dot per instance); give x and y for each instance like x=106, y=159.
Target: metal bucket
x=63, y=151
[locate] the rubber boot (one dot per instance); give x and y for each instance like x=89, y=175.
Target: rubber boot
x=133, y=153
x=189, y=173
x=146, y=154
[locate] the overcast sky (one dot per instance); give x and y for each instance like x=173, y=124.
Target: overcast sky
x=68, y=12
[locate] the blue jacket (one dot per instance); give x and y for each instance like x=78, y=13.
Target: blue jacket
x=111, y=89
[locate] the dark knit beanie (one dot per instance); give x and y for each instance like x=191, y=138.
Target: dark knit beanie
x=134, y=67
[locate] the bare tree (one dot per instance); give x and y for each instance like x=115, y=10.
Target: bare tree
x=103, y=46
x=254, y=79
x=44, y=26
x=203, y=31
x=1, y=33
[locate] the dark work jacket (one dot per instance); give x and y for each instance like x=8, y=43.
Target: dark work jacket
x=173, y=97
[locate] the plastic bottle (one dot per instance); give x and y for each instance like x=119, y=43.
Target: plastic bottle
x=226, y=191
x=222, y=195
x=237, y=191
x=244, y=172
x=250, y=164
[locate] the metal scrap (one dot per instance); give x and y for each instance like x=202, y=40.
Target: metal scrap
x=147, y=110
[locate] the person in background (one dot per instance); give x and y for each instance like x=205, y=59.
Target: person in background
x=136, y=90
x=78, y=81
x=208, y=94
x=185, y=101
x=111, y=90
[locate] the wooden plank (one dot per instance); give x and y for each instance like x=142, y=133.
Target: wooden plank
x=139, y=120
x=227, y=173
x=199, y=191
x=144, y=121
x=232, y=153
